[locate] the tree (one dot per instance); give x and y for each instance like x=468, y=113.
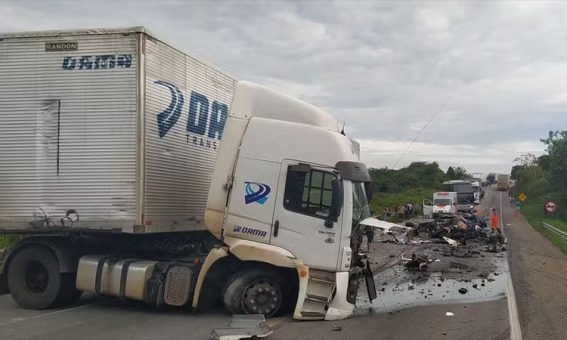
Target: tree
x=457, y=173
x=525, y=161
x=556, y=143
x=417, y=175
x=451, y=174
x=462, y=173
x=543, y=162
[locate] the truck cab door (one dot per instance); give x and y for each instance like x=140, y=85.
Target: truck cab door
x=427, y=208
x=303, y=217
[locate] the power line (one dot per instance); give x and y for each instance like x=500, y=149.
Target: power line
x=423, y=128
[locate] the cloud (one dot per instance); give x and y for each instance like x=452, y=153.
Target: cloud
x=387, y=67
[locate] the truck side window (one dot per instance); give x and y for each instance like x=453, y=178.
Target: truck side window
x=309, y=193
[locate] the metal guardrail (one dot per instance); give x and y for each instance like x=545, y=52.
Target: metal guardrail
x=555, y=230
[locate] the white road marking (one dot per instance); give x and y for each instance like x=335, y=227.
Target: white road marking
x=15, y=320
x=515, y=328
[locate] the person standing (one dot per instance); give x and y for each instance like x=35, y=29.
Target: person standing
x=494, y=221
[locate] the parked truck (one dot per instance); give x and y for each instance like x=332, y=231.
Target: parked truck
x=444, y=204
x=134, y=170
x=465, y=194
x=503, y=182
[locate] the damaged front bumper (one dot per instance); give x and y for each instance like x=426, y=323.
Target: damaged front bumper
x=330, y=295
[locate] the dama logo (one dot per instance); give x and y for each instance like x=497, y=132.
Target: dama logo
x=204, y=119
x=256, y=192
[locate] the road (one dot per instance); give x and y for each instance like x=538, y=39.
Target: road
x=410, y=316
x=539, y=273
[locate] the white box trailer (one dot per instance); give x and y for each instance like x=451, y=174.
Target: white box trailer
x=114, y=126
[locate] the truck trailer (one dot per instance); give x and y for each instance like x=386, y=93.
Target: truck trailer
x=134, y=170
x=465, y=194
x=503, y=182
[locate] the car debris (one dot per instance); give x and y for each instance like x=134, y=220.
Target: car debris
x=243, y=326
x=419, y=262
x=451, y=241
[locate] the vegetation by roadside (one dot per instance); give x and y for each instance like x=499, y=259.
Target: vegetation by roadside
x=412, y=184
x=543, y=179
x=533, y=212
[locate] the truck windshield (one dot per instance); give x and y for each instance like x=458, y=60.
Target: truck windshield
x=442, y=201
x=360, y=209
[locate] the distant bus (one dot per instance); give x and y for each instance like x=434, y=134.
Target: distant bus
x=465, y=194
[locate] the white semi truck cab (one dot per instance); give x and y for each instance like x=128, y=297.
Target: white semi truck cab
x=286, y=189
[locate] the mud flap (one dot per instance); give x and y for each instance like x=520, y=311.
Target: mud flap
x=369, y=278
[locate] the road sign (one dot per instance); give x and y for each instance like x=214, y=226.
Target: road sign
x=550, y=207
x=522, y=197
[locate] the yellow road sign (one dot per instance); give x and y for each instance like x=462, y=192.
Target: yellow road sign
x=522, y=197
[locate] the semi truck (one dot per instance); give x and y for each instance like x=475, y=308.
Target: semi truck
x=503, y=182
x=465, y=194
x=131, y=169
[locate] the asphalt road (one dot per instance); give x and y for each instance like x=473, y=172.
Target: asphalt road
x=474, y=316
x=539, y=273
x=99, y=318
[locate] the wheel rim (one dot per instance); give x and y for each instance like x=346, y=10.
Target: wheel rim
x=262, y=297
x=36, y=277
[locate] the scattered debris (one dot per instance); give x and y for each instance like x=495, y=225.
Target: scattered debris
x=449, y=314
x=451, y=241
x=243, y=326
x=337, y=328
x=463, y=290
x=419, y=262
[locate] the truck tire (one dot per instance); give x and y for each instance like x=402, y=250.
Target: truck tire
x=254, y=292
x=35, y=282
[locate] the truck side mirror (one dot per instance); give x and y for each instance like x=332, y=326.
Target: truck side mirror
x=336, y=204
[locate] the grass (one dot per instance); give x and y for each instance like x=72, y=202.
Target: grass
x=533, y=212
x=392, y=200
x=6, y=241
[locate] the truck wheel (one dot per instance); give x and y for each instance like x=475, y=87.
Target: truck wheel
x=254, y=292
x=35, y=282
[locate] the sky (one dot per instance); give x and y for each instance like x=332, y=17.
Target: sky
x=463, y=83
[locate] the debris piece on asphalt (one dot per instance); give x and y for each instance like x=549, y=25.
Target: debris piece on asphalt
x=337, y=328
x=451, y=241
x=463, y=290
x=243, y=326
x=420, y=262
x=449, y=314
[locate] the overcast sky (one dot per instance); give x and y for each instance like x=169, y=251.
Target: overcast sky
x=491, y=76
